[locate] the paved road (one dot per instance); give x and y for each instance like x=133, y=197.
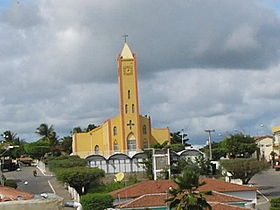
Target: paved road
x=36, y=185
x=268, y=183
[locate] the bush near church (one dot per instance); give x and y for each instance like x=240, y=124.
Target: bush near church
x=275, y=204
x=80, y=178
x=66, y=161
x=97, y=201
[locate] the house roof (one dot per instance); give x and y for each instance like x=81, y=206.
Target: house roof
x=222, y=198
x=9, y=194
x=143, y=188
x=222, y=186
x=162, y=186
x=147, y=200
x=158, y=200
x=258, y=138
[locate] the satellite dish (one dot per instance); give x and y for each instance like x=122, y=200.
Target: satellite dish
x=119, y=177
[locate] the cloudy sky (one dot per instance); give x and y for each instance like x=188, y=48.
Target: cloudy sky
x=203, y=64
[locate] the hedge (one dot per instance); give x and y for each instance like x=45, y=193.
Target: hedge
x=97, y=201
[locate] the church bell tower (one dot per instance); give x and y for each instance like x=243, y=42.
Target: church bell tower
x=129, y=99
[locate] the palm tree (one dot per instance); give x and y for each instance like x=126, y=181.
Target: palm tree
x=11, y=137
x=47, y=133
x=186, y=196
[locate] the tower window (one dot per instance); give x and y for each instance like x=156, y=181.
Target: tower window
x=115, y=131
x=96, y=149
x=128, y=94
x=116, y=146
x=132, y=108
x=144, y=129
x=145, y=144
x=126, y=108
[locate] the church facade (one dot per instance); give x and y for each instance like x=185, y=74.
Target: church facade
x=128, y=133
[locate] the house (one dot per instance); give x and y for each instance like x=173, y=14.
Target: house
x=11, y=198
x=11, y=194
x=265, y=147
x=152, y=194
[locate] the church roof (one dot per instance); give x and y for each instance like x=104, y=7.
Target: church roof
x=126, y=52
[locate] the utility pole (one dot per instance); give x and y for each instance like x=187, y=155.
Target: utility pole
x=209, y=142
x=182, y=136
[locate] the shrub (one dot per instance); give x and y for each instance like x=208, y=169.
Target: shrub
x=80, y=177
x=55, y=163
x=275, y=204
x=10, y=183
x=97, y=201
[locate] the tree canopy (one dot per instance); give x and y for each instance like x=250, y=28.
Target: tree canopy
x=80, y=177
x=239, y=144
x=244, y=169
x=176, y=138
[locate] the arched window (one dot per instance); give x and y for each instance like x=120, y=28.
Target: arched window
x=115, y=131
x=131, y=142
x=132, y=108
x=126, y=108
x=96, y=149
x=144, y=129
x=128, y=94
x=116, y=146
x=145, y=144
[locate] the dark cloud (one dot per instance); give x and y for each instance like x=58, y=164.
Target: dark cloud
x=58, y=63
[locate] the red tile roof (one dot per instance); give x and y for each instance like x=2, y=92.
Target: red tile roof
x=162, y=186
x=222, y=186
x=222, y=198
x=158, y=200
x=148, y=200
x=9, y=194
x=148, y=187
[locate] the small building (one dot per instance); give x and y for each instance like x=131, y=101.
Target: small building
x=276, y=138
x=265, y=147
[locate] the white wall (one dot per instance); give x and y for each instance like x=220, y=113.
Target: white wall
x=247, y=195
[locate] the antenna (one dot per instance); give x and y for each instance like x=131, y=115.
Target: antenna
x=119, y=177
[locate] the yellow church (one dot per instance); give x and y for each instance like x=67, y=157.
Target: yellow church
x=128, y=133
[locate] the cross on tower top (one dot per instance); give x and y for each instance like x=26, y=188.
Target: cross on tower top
x=125, y=37
x=130, y=124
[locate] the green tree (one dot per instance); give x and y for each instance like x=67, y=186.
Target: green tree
x=204, y=165
x=186, y=195
x=159, y=145
x=65, y=161
x=239, y=144
x=66, y=142
x=80, y=177
x=218, y=150
x=244, y=169
x=275, y=204
x=37, y=149
x=47, y=133
x=177, y=147
x=97, y=201
x=11, y=137
x=148, y=163
x=176, y=138
x=77, y=130
x=90, y=127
